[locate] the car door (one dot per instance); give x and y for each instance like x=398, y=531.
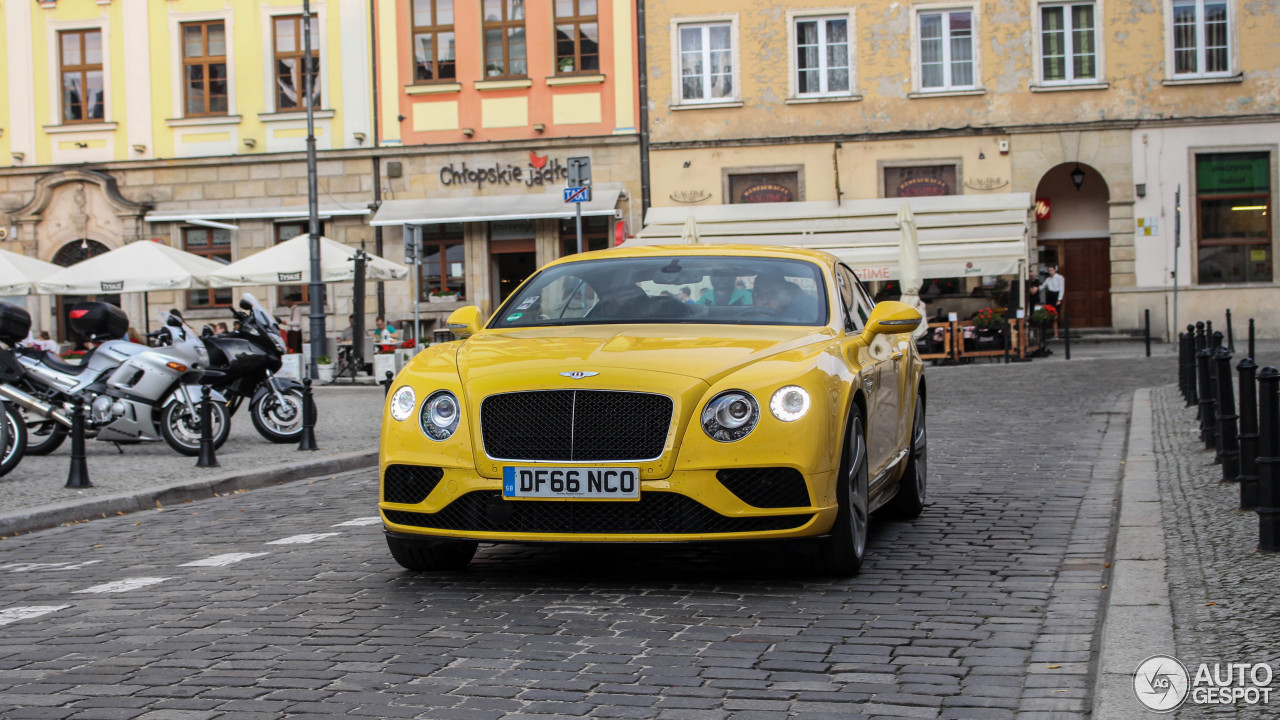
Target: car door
x=892, y=358
x=878, y=376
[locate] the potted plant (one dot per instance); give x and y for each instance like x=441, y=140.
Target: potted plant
x=324, y=369
x=442, y=296
x=989, y=323
x=1044, y=315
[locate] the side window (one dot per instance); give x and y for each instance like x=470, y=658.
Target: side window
x=863, y=300
x=850, y=297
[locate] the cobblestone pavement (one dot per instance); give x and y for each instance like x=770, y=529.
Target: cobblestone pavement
x=1222, y=590
x=348, y=421
x=985, y=607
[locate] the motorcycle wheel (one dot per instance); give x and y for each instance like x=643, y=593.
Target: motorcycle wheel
x=15, y=439
x=43, y=435
x=275, y=423
x=180, y=426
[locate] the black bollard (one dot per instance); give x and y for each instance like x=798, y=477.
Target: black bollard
x=1228, y=441
x=1066, y=334
x=1206, y=398
x=1268, y=460
x=1251, y=348
x=1208, y=330
x=78, y=475
x=1231, y=337
x=1215, y=339
x=308, y=440
x=1215, y=343
x=1192, y=399
x=386, y=384
x=1248, y=476
x=1201, y=343
x=1146, y=329
x=207, y=457
x=1008, y=337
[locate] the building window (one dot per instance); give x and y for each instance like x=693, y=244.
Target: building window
x=444, y=261
x=1200, y=38
x=504, y=45
x=1068, y=43
x=288, y=231
x=595, y=234
x=577, y=36
x=764, y=187
x=204, y=68
x=290, y=86
x=1233, y=202
x=434, y=54
x=83, y=97
x=706, y=62
x=920, y=180
x=822, y=56
x=214, y=244
x=946, y=50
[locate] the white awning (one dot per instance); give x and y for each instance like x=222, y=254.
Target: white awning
x=959, y=234
x=217, y=217
x=429, y=211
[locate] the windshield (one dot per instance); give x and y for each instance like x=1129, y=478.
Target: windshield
x=703, y=289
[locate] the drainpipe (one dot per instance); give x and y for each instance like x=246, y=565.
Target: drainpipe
x=377, y=161
x=643, y=61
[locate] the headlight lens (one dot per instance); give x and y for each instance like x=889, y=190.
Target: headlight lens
x=439, y=416
x=789, y=403
x=402, y=403
x=730, y=416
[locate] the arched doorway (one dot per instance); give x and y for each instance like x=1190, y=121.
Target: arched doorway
x=1077, y=238
x=67, y=255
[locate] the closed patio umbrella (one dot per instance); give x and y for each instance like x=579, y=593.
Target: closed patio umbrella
x=909, y=265
x=289, y=263
x=19, y=273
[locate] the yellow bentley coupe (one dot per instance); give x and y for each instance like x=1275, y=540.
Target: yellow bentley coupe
x=685, y=393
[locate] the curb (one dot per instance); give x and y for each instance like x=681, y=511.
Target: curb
x=47, y=516
x=1139, y=616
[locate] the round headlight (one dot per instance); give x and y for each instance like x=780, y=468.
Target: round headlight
x=789, y=403
x=730, y=416
x=402, y=402
x=439, y=416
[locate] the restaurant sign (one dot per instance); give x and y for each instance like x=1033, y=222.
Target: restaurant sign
x=540, y=171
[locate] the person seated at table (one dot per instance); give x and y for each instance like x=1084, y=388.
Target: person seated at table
x=385, y=334
x=348, y=334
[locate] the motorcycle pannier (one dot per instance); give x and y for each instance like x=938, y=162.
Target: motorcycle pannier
x=99, y=321
x=15, y=323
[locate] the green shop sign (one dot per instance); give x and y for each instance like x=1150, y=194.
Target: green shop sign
x=1233, y=173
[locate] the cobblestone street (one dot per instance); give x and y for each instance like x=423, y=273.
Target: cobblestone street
x=986, y=607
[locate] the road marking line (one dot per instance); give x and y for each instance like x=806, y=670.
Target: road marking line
x=23, y=613
x=27, y=567
x=122, y=585
x=302, y=539
x=221, y=560
x=375, y=520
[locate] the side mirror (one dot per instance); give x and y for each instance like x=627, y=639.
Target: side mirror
x=890, y=318
x=464, y=322
x=173, y=321
x=245, y=304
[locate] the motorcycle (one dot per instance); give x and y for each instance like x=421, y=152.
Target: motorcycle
x=15, y=322
x=131, y=392
x=246, y=360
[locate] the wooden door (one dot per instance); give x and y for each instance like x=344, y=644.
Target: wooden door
x=1086, y=267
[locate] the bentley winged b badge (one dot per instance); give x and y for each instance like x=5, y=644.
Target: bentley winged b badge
x=579, y=374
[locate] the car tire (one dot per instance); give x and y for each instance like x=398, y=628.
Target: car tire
x=909, y=502
x=431, y=555
x=842, y=551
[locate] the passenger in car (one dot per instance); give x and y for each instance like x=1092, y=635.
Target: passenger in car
x=784, y=298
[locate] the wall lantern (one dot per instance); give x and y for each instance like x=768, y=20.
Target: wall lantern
x=1077, y=177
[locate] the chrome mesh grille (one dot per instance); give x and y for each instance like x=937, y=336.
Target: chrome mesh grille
x=575, y=425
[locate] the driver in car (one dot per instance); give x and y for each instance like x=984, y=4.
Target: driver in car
x=784, y=298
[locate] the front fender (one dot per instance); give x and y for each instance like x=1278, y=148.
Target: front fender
x=281, y=384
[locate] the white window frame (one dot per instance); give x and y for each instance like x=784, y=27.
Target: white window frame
x=917, y=74
x=1233, y=60
x=677, y=91
x=53, y=29
x=1098, y=45
x=793, y=66
x=320, y=13
x=176, y=20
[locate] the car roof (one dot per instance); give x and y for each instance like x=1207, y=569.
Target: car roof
x=697, y=250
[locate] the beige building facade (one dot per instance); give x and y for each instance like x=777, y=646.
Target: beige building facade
x=1099, y=111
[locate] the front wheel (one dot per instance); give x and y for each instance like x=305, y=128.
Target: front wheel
x=843, y=549
x=431, y=555
x=43, y=435
x=180, y=426
x=15, y=439
x=279, y=422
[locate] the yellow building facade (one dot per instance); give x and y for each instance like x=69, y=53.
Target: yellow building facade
x=827, y=101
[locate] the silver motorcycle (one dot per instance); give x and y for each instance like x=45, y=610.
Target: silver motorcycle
x=131, y=392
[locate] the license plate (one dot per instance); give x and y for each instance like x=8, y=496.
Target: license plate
x=571, y=482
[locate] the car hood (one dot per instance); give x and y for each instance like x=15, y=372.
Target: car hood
x=705, y=352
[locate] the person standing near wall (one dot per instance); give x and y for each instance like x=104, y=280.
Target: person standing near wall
x=1055, y=291
x=293, y=327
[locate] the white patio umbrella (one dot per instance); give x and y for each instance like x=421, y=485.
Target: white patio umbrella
x=690, y=233
x=909, y=264
x=19, y=273
x=289, y=263
x=136, y=267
